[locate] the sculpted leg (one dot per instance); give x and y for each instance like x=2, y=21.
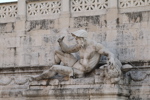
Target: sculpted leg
x=65, y=70
x=45, y=74
x=65, y=58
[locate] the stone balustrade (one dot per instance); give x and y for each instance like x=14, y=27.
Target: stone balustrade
x=52, y=9
x=133, y=3
x=43, y=9
x=8, y=11
x=29, y=30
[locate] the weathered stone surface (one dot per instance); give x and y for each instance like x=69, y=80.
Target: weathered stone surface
x=29, y=30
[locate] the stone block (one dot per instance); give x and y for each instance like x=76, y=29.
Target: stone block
x=48, y=39
x=20, y=25
x=144, y=24
x=9, y=57
x=34, y=58
x=127, y=53
x=24, y=41
x=143, y=42
x=1, y=58
x=12, y=41
x=45, y=24
x=145, y=17
x=53, y=82
x=125, y=18
x=2, y=42
x=142, y=52
x=112, y=14
x=111, y=35
x=7, y=27
x=30, y=40
x=59, y=93
x=36, y=40
x=23, y=57
x=26, y=59
x=64, y=22
x=108, y=98
x=49, y=57
x=136, y=26
x=98, y=79
x=112, y=4
x=42, y=57
x=79, y=81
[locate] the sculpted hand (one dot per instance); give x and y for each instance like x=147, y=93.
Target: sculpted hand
x=61, y=39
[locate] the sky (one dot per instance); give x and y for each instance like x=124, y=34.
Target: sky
x=7, y=0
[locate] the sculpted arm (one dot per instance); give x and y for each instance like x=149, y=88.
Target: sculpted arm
x=68, y=49
x=102, y=50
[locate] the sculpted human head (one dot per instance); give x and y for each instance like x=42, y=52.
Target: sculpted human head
x=80, y=37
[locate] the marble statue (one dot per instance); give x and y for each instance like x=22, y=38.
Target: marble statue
x=111, y=74
x=89, y=55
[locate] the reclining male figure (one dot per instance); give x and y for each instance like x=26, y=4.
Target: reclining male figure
x=89, y=56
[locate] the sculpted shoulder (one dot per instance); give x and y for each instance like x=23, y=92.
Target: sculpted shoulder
x=94, y=44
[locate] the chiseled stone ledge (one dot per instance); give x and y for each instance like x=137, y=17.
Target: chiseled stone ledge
x=22, y=69
x=74, y=89
x=101, y=92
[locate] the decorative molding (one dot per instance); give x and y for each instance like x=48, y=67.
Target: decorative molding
x=13, y=80
x=5, y=80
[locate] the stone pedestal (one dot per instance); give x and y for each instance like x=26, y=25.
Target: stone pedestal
x=76, y=89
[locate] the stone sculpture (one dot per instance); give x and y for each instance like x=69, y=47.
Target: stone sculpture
x=111, y=74
x=89, y=55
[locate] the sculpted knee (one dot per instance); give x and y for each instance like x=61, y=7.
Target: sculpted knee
x=52, y=68
x=59, y=52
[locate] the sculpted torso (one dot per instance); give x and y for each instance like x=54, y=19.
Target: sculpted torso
x=88, y=57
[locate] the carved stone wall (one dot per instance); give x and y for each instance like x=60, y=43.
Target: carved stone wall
x=29, y=30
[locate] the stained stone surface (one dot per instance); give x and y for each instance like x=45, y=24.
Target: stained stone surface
x=29, y=30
